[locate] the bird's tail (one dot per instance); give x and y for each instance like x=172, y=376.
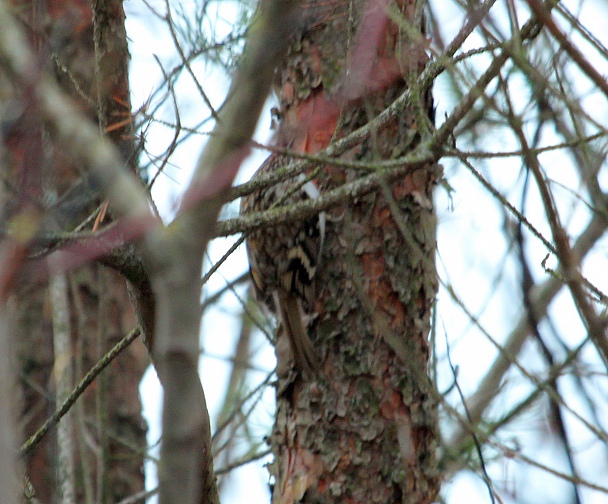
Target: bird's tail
x=304, y=354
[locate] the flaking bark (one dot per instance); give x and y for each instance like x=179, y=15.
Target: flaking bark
x=363, y=430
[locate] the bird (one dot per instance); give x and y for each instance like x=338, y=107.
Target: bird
x=284, y=260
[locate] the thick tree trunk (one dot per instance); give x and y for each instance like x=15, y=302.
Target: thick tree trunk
x=364, y=429
x=87, y=51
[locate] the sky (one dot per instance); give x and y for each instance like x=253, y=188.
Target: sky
x=482, y=273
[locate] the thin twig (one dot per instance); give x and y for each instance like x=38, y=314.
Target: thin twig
x=78, y=390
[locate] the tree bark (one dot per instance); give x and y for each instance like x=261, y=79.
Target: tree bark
x=364, y=429
x=87, y=51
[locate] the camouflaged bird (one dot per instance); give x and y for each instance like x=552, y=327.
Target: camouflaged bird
x=284, y=259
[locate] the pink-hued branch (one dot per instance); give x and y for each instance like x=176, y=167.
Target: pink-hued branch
x=72, y=131
x=374, y=62
x=176, y=261
x=367, y=72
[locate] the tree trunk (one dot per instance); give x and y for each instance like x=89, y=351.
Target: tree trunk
x=87, y=51
x=364, y=429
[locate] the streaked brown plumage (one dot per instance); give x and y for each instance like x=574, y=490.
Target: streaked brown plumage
x=283, y=260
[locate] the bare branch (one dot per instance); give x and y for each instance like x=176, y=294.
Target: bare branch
x=78, y=390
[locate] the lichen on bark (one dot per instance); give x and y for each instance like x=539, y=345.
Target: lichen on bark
x=364, y=428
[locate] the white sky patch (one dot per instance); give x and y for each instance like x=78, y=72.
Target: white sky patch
x=471, y=243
